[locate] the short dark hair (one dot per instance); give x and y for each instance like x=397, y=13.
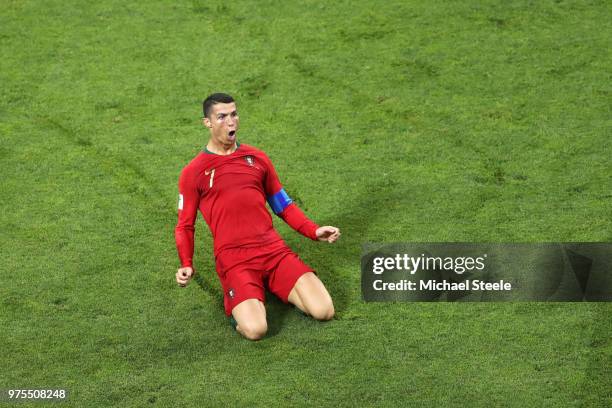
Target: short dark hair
x=213, y=100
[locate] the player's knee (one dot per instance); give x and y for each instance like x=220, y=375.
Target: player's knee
x=253, y=330
x=323, y=311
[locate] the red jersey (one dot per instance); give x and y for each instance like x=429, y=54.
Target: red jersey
x=231, y=193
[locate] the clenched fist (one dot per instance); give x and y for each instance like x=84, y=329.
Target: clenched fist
x=184, y=275
x=328, y=233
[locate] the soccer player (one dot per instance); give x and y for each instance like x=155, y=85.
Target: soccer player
x=230, y=182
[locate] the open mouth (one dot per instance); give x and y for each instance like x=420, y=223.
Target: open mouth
x=232, y=133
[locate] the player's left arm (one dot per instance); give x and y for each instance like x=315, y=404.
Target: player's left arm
x=288, y=211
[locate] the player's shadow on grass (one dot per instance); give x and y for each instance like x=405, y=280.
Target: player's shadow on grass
x=354, y=220
x=214, y=292
x=277, y=313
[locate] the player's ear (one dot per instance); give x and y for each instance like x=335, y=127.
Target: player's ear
x=206, y=122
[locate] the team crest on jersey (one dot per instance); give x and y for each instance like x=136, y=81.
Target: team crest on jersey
x=250, y=160
x=231, y=293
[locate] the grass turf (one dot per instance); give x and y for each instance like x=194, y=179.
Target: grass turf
x=402, y=121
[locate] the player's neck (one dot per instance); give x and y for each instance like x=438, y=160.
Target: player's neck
x=221, y=149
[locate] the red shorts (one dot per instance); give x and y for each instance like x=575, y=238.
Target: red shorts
x=246, y=272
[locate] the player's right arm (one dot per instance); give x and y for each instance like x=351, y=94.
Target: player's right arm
x=189, y=201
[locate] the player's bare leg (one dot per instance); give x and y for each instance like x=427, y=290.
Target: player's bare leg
x=250, y=317
x=311, y=297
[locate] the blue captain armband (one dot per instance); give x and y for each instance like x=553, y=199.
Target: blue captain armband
x=279, y=201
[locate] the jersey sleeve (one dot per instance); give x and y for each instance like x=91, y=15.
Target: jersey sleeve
x=283, y=206
x=189, y=200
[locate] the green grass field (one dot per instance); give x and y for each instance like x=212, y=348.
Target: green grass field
x=412, y=121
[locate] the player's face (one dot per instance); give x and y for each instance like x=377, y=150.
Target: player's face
x=223, y=123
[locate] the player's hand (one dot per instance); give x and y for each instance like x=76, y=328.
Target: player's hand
x=184, y=275
x=328, y=233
